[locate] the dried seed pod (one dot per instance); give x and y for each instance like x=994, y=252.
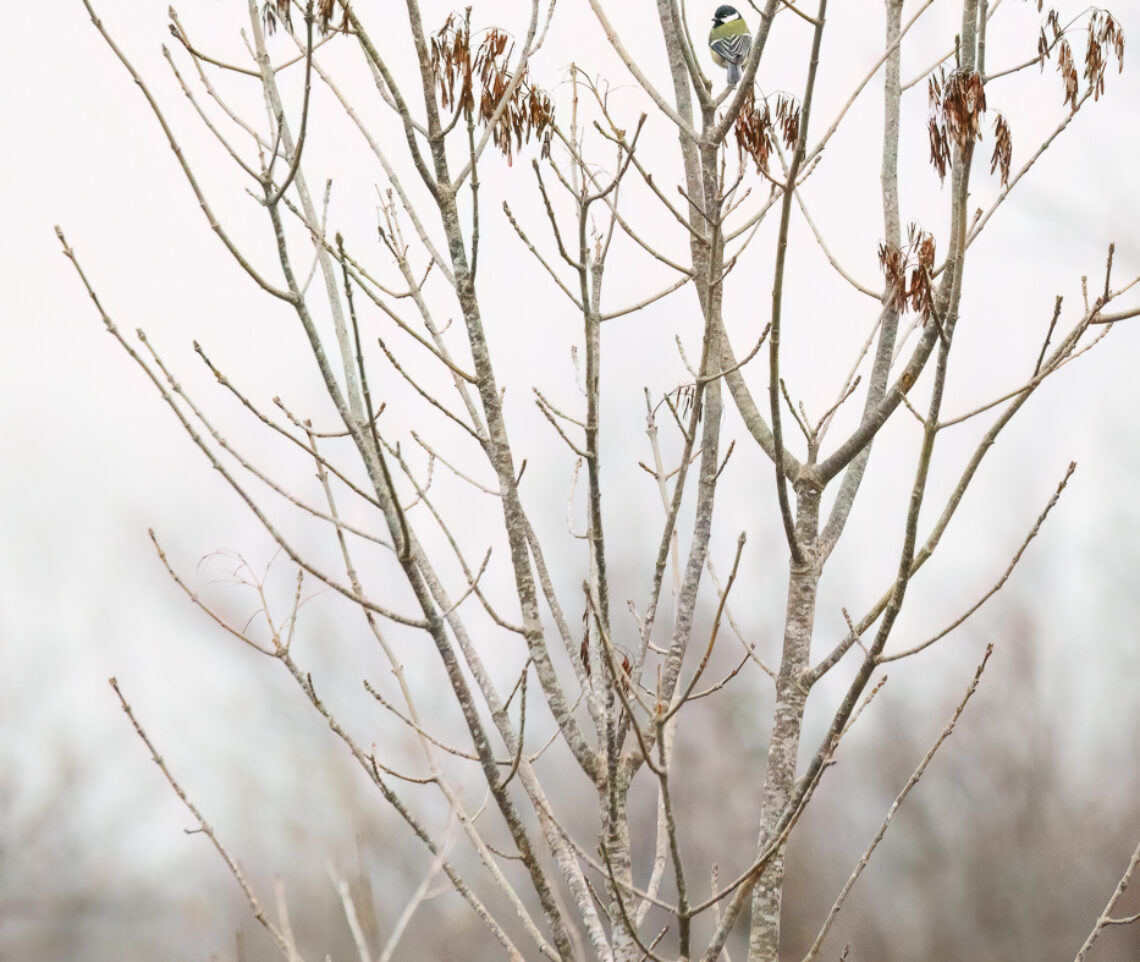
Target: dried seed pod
x=1003, y=149
x=957, y=105
x=908, y=272
x=460, y=65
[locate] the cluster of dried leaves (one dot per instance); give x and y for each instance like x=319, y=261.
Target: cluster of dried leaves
x=279, y=11
x=1065, y=65
x=957, y=104
x=754, y=128
x=958, y=100
x=458, y=67
x=1002, y=156
x=908, y=271
x=1105, y=37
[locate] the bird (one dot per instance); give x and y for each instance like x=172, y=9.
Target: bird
x=729, y=41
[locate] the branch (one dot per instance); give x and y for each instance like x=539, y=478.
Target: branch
x=997, y=586
x=1013, y=181
x=631, y=65
x=190, y=178
x=297, y=148
x=777, y=295
x=390, y=174
x=206, y=120
x=538, y=256
x=218, y=466
x=911, y=782
x=284, y=946
x=1105, y=918
x=891, y=48
x=679, y=702
x=411, y=128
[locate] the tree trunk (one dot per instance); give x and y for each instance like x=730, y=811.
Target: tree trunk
x=783, y=749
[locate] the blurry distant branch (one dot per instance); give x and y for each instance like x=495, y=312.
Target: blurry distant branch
x=418, y=897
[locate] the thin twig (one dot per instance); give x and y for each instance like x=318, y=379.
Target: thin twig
x=997, y=586
x=283, y=945
x=1105, y=918
x=911, y=782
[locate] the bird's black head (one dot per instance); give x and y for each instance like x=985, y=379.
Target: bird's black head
x=725, y=12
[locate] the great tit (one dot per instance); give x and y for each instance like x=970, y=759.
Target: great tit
x=729, y=41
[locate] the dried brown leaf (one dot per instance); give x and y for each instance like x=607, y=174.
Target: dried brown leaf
x=788, y=114
x=1003, y=148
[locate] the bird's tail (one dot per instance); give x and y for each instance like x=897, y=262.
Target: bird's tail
x=733, y=74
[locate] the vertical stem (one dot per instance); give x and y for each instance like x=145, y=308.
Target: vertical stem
x=593, y=402
x=948, y=298
x=794, y=546
x=791, y=697
x=803, y=583
x=783, y=749
x=892, y=234
x=328, y=271
x=613, y=802
x=983, y=16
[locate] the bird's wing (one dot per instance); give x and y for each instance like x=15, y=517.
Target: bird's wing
x=732, y=49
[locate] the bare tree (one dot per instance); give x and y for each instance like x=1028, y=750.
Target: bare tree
x=608, y=696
